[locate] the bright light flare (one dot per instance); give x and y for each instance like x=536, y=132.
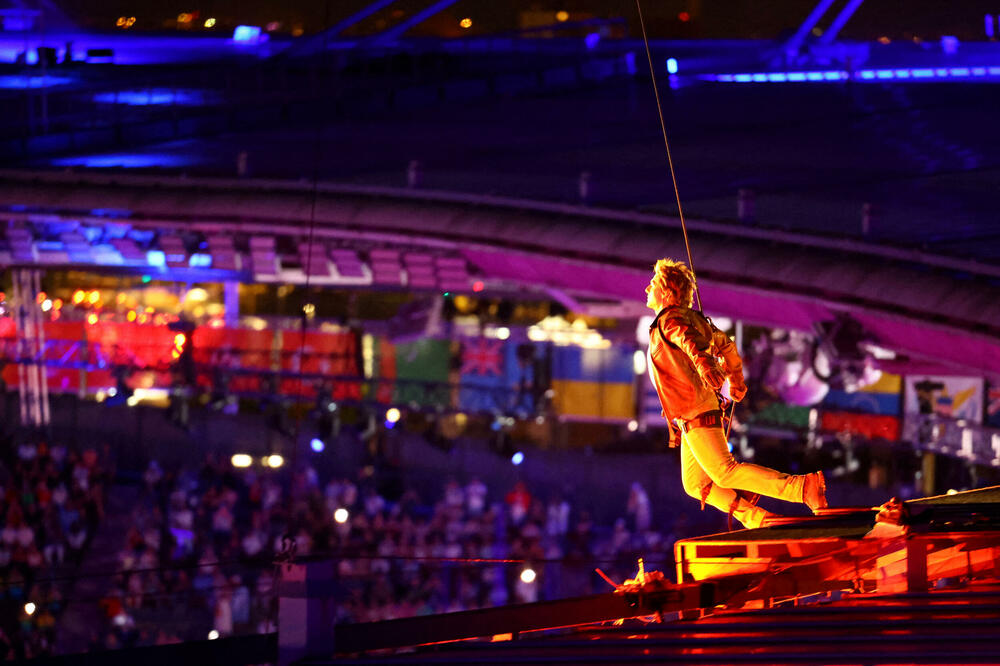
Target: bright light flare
x=210, y=23
x=274, y=460
x=241, y=460
x=562, y=16
x=466, y=23
x=317, y=445
x=633, y=425
x=392, y=415
x=639, y=362
x=503, y=333
x=29, y=608
x=528, y=575
x=213, y=635
x=517, y=458
x=341, y=515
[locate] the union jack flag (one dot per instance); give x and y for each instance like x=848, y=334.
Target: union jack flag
x=481, y=357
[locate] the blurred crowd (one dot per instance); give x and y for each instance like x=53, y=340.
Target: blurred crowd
x=51, y=501
x=198, y=559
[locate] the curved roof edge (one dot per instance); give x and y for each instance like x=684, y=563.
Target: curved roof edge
x=923, y=308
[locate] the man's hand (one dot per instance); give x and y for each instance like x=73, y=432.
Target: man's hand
x=737, y=389
x=712, y=377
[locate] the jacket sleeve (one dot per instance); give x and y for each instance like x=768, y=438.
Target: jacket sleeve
x=732, y=363
x=680, y=332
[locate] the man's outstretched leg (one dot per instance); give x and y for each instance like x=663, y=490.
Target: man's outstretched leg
x=698, y=485
x=708, y=447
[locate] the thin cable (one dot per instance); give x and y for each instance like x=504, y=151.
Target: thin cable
x=306, y=315
x=666, y=144
x=249, y=563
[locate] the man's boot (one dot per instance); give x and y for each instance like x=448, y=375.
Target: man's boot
x=750, y=515
x=814, y=491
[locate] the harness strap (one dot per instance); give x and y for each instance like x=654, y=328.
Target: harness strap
x=749, y=498
x=705, y=490
x=709, y=419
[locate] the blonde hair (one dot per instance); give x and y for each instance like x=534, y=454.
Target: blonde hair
x=675, y=282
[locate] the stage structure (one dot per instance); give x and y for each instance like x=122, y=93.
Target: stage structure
x=918, y=558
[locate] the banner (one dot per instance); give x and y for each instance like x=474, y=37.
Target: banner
x=949, y=397
x=488, y=379
x=422, y=372
x=993, y=407
x=882, y=397
x=867, y=425
x=594, y=384
x=241, y=349
x=319, y=353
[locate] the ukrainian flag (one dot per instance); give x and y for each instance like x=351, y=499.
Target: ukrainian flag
x=593, y=384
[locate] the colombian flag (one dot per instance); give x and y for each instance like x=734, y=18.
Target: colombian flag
x=882, y=397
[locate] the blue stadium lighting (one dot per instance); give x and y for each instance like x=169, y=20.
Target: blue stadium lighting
x=246, y=34
x=591, y=40
x=389, y=425
x=200, y=260
x=24, y=82
x=151, y=97
x=156, y=258
x=517, y=458
x=671, y=65
x=862, y=74
x=123, y=160
x=317, y=445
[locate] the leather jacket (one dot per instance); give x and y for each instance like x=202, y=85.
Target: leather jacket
x=685, y=350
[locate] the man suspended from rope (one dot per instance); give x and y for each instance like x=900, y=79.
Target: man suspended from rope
x=684, y=352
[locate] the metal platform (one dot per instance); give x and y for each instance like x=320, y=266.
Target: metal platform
x=936, y=556
x=903, y=546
